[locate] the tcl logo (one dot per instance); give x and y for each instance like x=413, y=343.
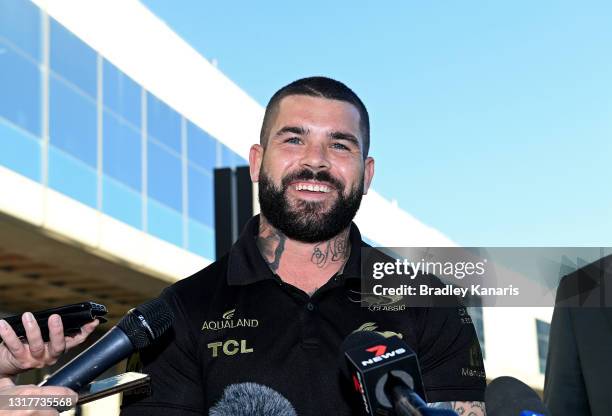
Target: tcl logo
x=380, y=354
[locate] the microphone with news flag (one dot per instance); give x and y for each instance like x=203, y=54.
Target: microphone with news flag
x=386, y=374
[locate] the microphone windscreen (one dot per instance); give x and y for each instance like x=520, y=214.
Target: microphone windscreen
x=252, y=399
x=145, y=323
x=507, y=396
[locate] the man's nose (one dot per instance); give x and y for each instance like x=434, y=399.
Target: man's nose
x=316, y=157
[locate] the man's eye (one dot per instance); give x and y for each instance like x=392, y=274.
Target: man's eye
x=339, y=146
x=294, y=140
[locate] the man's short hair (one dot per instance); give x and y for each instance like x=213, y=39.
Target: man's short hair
x=317, y=87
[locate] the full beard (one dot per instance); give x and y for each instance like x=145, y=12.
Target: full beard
x=308, y=221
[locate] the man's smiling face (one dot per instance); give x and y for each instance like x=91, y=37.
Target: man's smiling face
x=312, y=173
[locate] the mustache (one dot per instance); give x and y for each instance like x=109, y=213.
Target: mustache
x=306, y=175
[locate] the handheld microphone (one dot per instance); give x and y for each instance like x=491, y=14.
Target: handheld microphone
x=507, y=396
x=386, y=374
x=135, y=331
x=252, y=399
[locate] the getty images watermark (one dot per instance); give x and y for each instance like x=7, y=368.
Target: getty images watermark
x=397, y=277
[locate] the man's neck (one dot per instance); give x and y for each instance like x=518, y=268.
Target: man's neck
x=307, y=266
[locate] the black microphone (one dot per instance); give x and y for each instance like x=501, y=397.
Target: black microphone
x=386, y=374
x=507, y=396
x=135, y=331
x=252, y=399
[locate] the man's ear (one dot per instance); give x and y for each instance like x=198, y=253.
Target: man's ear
x=368, y=173
x=255, y=159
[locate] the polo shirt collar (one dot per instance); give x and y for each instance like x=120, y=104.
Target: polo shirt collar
x=246, y=265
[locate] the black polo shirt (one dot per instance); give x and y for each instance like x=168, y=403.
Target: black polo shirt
x=236, y=321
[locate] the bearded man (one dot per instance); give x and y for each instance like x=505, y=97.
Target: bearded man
x=275, y=310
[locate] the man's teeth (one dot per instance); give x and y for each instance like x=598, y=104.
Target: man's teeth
x=312, y=188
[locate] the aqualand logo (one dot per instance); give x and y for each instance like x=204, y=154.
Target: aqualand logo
x=372, y=326
x=228, y=321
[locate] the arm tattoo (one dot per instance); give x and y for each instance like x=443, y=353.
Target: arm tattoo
x=271, y=244
x=462, y=408
x=336, y=249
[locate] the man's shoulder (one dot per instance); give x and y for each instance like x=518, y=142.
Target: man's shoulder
x=205, y=282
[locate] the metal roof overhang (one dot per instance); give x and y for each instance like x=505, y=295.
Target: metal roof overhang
x=40, y=270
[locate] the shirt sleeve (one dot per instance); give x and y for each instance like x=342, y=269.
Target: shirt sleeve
x=172, y=362
x=450, y=356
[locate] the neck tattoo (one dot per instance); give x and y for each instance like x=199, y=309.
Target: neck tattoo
x=336, y=249
x=271, y=244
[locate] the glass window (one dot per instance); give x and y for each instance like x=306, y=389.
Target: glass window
x=121, y=202
x=72, y=177
x=201, y=239
x=230, y=159
x=201, y=199
x=19, y=151
x=163, y=123
x=72, y=121
x=369, y=241
x=543, y=331
x=164, y=179
x=122, y=151
x=19, y=90
x=476, y=314
x=121, y=94
x=20, y=25
x=201, y=147
x=165, y=223
x=72, y=59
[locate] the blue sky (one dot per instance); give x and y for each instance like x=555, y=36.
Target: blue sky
x=491, y=121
